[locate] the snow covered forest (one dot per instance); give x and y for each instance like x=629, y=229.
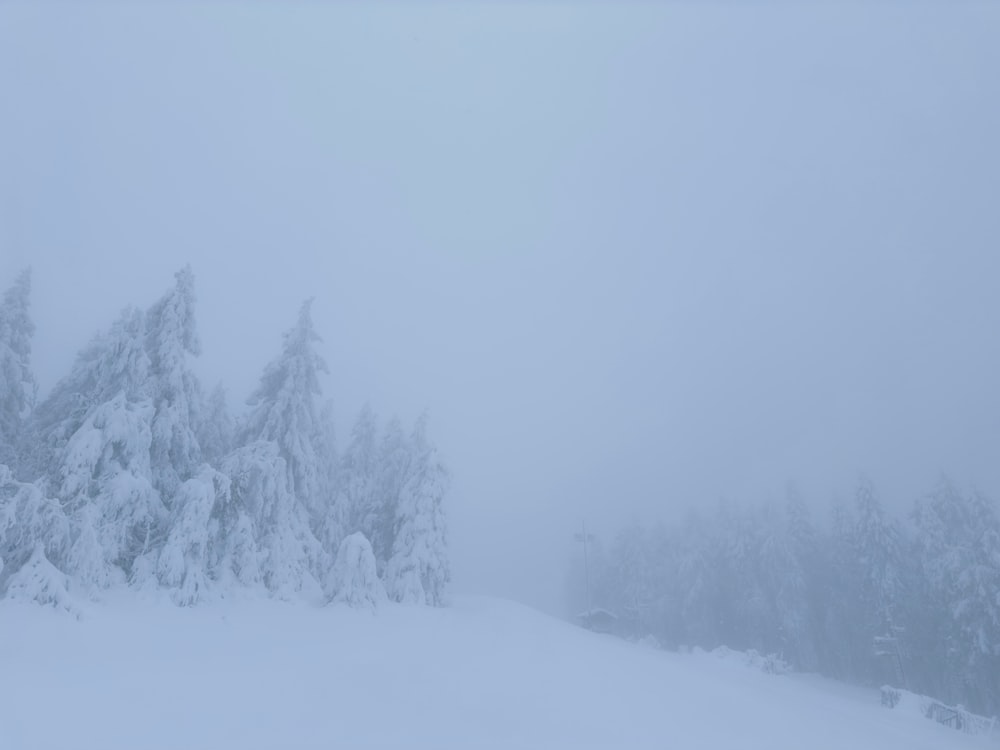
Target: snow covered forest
x=128, y=475
x=867, y=597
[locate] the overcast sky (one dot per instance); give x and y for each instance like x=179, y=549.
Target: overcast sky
x=630, y=258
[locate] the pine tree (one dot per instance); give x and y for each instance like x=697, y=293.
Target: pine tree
x=879, y=590
x=392, y=473
x=283, y=410
x=846, y=640
x=111, y=364
x=957, y=545
x=358, y=477
x=211, y=542
x=217, y=429
x=633, y=579
x=93, y=437
x=799, y=603
x=419, y=570
x=290, y=559
x=696, y=594
x=17, y=383
x=171, y=336
x=106, y=484
x=330, y=512
x=878, y=551
x=34, y=538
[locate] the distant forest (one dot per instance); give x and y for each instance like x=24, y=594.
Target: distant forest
x=129, y=474
x=867, y=598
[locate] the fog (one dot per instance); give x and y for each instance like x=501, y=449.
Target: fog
x=631, y=259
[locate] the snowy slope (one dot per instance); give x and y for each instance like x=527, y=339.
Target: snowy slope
x=482, y=674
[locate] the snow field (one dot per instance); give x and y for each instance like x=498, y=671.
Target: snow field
x=483, y=674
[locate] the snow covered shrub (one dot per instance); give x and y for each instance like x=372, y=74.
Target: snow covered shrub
x=32, y=528
x=41, y=582
x=354, y=580
x=767, y=663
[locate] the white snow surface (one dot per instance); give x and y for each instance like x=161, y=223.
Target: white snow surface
x=481, y=674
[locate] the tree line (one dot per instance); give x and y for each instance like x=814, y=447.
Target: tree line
x=129, y=474
x=867, y=597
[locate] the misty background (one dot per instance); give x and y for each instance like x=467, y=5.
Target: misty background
x=630, y=259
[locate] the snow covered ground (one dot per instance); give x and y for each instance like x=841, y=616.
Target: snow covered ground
x=481, y=674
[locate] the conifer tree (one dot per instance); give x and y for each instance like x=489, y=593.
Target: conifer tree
x=217, y=429
x=171, y=337
x=392, y=473
x=111, y=364
x=290, y=560
x=330, y=513
x=419, y=570
x=17, y=383
x=34, y=540
x=358, y=491
x=211, y=542
x=93, y=434
x=878, y=552
x=283, y=410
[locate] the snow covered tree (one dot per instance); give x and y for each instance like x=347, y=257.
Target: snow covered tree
x=17, y=383
x=419, y=570
x=171, y=336
x=41, y=582
x=879, y=588
x=106, y=484
x=211, y=541
x=633, y=573
x=958, y=542
x=290, y=558
x=696, y=576
x=217, y=429
x=878, y=549
x=283, y=410
x=358, y=477
x=798, y=603
x=113, y=363
x=34, y=538
x=354, y=580
x=393, y=467
x=92, y=441
x=841, y=623
x=330, y=512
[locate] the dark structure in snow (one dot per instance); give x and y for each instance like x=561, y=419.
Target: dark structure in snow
x=601, y=621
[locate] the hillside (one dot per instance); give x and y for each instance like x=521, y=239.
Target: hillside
x=482, y=674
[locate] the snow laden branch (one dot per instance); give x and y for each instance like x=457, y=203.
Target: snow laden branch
x=128, y=475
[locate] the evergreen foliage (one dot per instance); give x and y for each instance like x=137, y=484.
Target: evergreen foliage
x=17, y=382
x=138, y=480
x=868, y=599
x=355, y=580
x=418, y=571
